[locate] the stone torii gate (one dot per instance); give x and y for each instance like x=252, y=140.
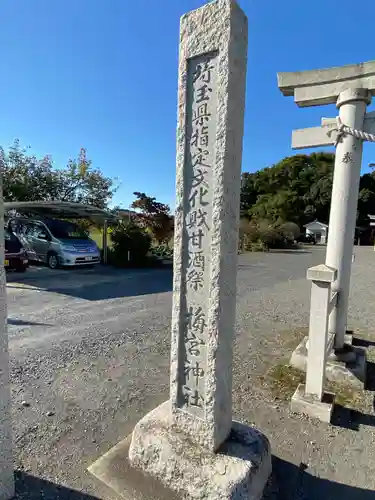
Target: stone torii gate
x=350, y=88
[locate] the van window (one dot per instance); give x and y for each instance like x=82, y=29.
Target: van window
x=66, y=230
x=35, y=229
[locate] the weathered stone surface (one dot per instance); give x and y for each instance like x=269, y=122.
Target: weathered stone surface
x=326, y=134
x=114, y=470
x=321, y=273
x=310, y=405
x=6, y=455
x=347, y=373
x=351, y=88
x=288, y=81
x=239, y=470
x=348, y=337
x=318, y=334
x=213, y=53
x=346, y=355
x=190, y=444
x=322, y=86
x=314, y=137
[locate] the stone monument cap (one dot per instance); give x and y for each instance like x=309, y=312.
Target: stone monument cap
x=322, y=273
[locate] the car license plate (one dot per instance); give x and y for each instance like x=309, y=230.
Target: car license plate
x=87, y=258
x=6, y=262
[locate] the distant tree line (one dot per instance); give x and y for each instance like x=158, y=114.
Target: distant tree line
x=295, y=190
x=298, y=189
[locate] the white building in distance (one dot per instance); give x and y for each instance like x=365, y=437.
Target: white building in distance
x=319, y=230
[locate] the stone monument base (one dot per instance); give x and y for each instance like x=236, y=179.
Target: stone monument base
x=307, y=404
x=239, y=470
x=115, y=471
x=177, y=468
x=347, y=366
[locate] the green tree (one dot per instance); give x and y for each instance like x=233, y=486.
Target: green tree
x=26, y=178
x=366, y=199
x=154, y=216
x=297, y=189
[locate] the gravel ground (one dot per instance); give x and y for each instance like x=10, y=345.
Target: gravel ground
x=90, y=356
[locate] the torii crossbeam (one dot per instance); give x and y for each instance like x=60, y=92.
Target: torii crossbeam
x=351, y=88
x=326, y=134
x=323, y=86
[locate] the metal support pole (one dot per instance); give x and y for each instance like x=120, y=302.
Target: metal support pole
x=105, y=244
x=129, y=221
x=6, y=445
x=352, y=105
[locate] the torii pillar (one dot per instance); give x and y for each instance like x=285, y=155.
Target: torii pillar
x=350, y=88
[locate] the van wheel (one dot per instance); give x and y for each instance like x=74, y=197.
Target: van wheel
x=52, y=260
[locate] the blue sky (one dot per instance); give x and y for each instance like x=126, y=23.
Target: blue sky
x=102, y=74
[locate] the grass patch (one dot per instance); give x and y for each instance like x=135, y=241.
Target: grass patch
x=290, y=339
x=371, y=355
x=283, y=380
x=346, y=396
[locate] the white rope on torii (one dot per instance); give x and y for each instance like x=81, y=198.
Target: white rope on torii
x=343, y=129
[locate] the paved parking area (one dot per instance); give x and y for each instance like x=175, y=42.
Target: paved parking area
x=90, y=355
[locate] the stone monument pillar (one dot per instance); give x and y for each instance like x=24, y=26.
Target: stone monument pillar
x=6, y=452
x=211, y=103
x=186, y=431
x=177, y=443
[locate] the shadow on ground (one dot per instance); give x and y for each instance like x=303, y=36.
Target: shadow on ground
x=33, y=488
x=288, y=251
x=100, y=283
x=362, y=342
x=296, y=483
x=370, y=376
x=289, y=482
x=20, y=322
x=351, y=419
x=348, y=418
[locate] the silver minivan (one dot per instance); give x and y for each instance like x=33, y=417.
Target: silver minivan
x=57, y=243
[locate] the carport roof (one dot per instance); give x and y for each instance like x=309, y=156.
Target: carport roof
x=62, y=209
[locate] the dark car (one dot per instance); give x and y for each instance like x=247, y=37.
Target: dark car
x=15, y=256
x=307, y=238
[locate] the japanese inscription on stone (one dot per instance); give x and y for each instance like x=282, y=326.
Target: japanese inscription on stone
x=199, y=161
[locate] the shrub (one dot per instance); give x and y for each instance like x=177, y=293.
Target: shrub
x=129, y=239
x=162, y=251
x=271, y=237
x=248, y=235
x=290, y=230
x=258, y=246
x=261, y=235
